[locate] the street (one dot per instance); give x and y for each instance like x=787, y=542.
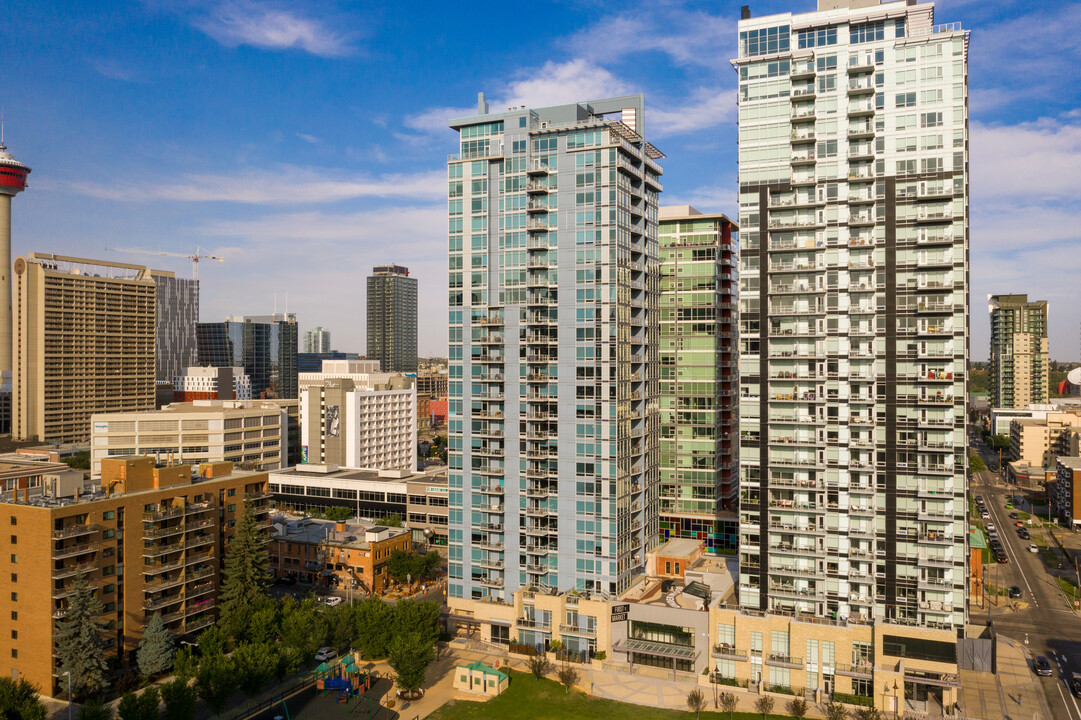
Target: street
x=1047, y=624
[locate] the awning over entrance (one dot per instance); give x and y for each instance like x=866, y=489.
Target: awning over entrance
x=648, y=647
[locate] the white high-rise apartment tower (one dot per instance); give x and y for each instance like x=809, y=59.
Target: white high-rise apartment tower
x=853, y=182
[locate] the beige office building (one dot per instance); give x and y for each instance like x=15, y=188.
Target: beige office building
x=83, y=343
x=246, y=433
x=1038, y=442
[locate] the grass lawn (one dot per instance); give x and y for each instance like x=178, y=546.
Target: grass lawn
x=547, y=700
x=1069, y=588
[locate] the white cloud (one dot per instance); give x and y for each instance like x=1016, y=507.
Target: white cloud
x=707, y=107
x=246, y=22
x=560, y=83
x=311, y=139
x=1040, y=159
x=421, y=225
x=286, y=185
x=707, y=199
x=688, y=38
x=552, y=84
x=115, y=70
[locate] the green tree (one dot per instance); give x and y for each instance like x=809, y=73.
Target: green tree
x=764, y=705
x=833, y=710
x=568, y=676
x=374, y=624
x=999, y=442
x=80, y=644
x=263, y=625
x=185, y=664
x=729, y=703
x=797, y=707
x=975, y=462
x=303, y=628
x=539, y=665
x=139, y=707
x=866, y=713
x=246, y=573
x=410, y=655
x=391, y=521
x=216, y=682
x=79, y=461
x=696, y=702
x=19, y=700
x=179, y=699
x=338, y=513
x=213, y=641
x=95, y=711
x=156, y=650
x=421, y=617
x=255, y=665
x=340, y=624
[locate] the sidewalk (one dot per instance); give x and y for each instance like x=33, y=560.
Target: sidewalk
x=1014, y=692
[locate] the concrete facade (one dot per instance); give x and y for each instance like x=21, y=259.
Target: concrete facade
x=85, y=333
x=250, y=434
x=1019, y=372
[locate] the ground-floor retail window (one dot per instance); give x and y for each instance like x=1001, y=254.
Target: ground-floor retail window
x=662, y=662
x=501, y=634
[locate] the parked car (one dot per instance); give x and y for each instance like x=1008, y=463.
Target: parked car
x=1023, y=534
x=1042, y=666
x=332, y=601
x=1001, y=558
x=984, y=515
x=286, y=580
x=1075, y=684
x=1019, y=524
x=1014, y=516
x=979, y=499
x=1032, y=548
x=326, y=653
x=990, y=526
x=1015, y=592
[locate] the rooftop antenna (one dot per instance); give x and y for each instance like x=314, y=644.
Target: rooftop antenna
x=2, y=145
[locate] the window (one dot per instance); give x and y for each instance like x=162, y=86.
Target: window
x=905, y=100
x=867, y=32
x=931, y=119
x=817, y=38
x=14, y=597
x=231, y=508
x=931, y=97
x=230, y=492
x=827, y=149
x=764, y=42
x=109, y=534
x=906, y=144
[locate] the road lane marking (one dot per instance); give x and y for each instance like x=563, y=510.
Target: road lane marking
x=1064, y=703
x=1006, y=547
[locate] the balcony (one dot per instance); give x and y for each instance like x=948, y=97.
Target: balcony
x=71, y=570
x=75, y=550
x=161, y=601
x=75, y=531
x=782, y=660
x=534, y=623
x=861, y=670
x=724, y=650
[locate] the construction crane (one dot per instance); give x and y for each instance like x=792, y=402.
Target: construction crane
x=199, y=254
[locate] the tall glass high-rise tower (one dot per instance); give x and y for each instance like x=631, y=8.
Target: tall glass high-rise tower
x=853, y=182
x=553, y=348
x=1020, y=372
x=699, y=445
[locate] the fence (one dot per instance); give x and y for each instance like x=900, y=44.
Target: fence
x=282, y=694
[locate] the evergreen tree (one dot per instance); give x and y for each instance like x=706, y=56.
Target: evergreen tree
x=80, y=643
x=156, y=648
x=247, y=563
x=216, y=681
x=19, y=700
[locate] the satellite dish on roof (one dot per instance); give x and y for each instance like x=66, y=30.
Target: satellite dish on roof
x=1074, y=376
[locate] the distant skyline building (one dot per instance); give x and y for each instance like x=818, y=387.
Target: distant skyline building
x=264, y=345
x=553, y=392
x=392, y=318
x=85, y=341
x=212, y=383
x=853, y=193
x=313, y=362
x=699, y=443
x=317, y=340
x=177, y=315
x=1020, y=373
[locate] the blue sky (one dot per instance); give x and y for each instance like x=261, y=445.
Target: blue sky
x=306, y=141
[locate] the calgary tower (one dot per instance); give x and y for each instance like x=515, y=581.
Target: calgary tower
x=12, y=182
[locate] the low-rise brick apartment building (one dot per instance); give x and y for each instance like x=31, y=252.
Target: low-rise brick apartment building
x=149, y=540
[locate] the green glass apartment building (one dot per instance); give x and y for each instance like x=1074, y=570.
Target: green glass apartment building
x=699, y=447
x=553, y=387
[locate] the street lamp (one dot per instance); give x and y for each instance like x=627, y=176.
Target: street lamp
x=68, y=673
x=895, y=700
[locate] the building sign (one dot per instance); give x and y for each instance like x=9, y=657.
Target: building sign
x=304, y=454
x=619, y=613
x=434, y=489
x=333, y=421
